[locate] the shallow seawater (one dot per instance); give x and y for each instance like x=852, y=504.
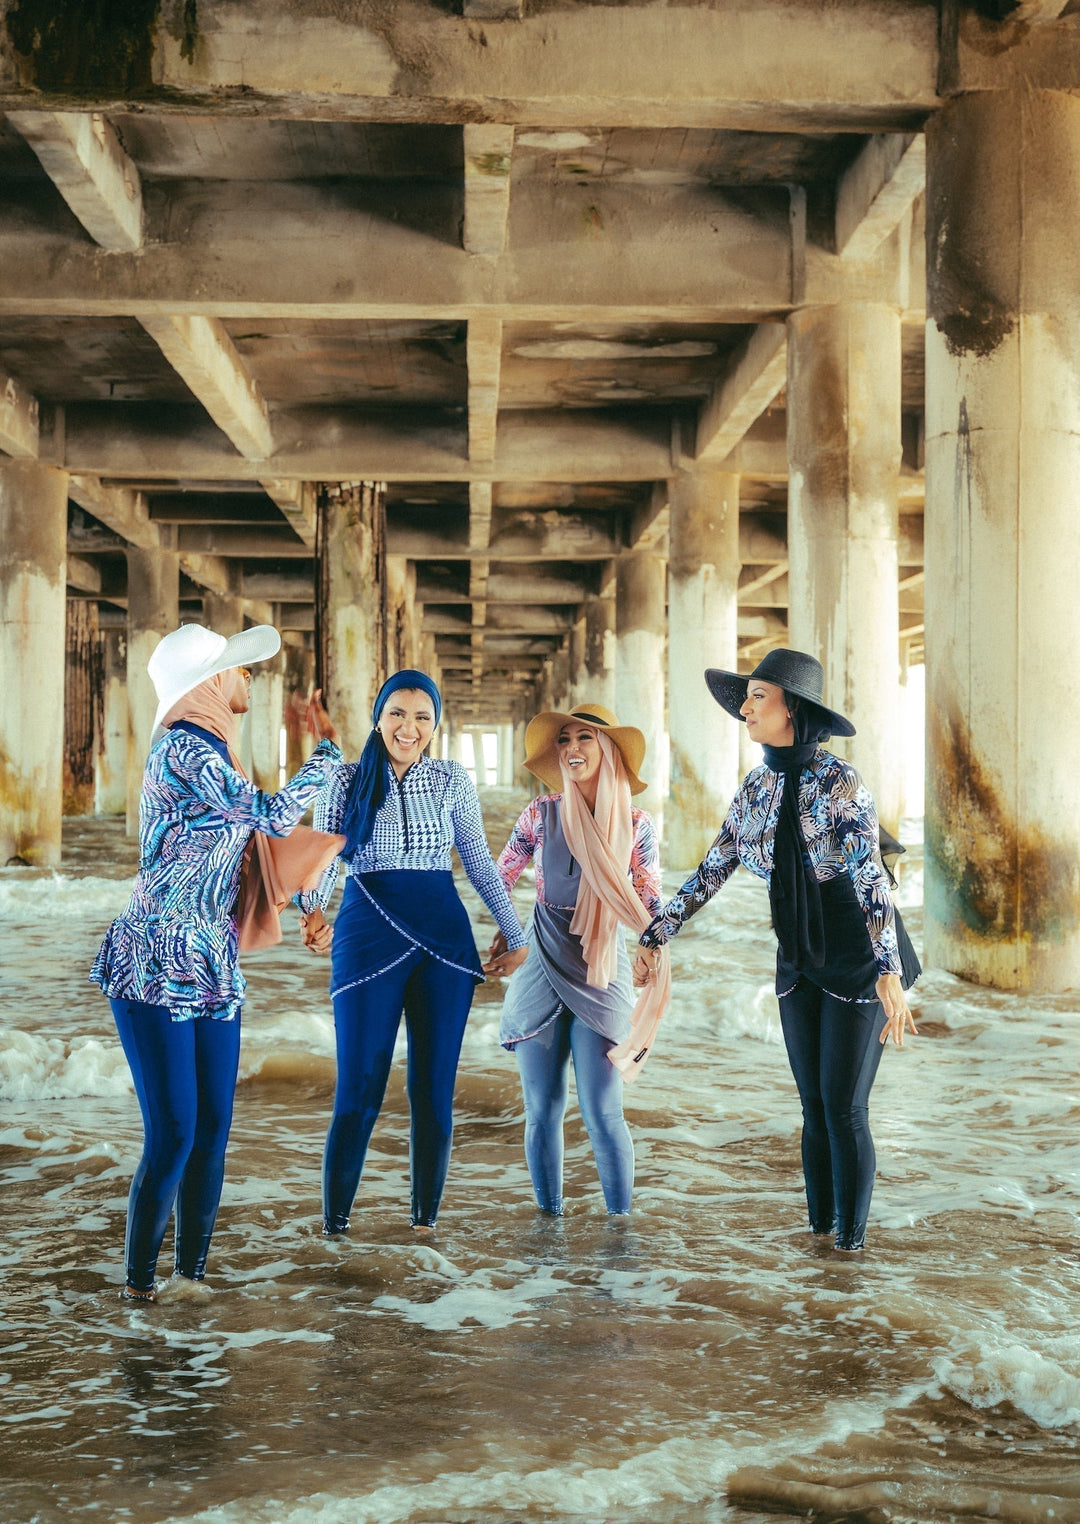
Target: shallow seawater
x=703, y=1361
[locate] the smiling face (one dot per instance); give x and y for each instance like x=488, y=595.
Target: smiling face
x=578, y=750
x=406, y=724
x=766, y=714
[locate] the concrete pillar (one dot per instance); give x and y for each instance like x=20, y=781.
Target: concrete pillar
x=298, y=683
x=351, y=605
x=560, y=680
x=640, y=597
x=506, y=756
x=33, y=532
x=703, y=596
x=843, y=410
x=153, y=610
x=265, y=721
x=598, y=683
x=110, y=764
x=1002, y=531
x=222, y=612
x=579, y=671
x=82, y=704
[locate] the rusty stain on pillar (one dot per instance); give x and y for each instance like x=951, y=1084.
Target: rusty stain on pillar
x=703, y=591
x=640, y=604
x=33, y=531
x=844, y=449
x=83, y=704
x=1002, y=520
x=153, y=610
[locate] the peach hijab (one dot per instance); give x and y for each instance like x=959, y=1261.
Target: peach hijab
x=275, y=867
x=602, y=841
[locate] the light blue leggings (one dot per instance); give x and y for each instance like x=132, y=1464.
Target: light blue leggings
x=544, y=1062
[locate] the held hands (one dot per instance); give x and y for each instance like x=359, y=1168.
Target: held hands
x=899, y=1019
x=316, y=931
x=318, y=722
x=501, y=963
x=645, y=966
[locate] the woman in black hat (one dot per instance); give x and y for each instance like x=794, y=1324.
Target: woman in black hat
x=805, y=822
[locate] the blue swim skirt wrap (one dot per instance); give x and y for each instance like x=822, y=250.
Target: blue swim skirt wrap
x=388, y=915
x=367, y=791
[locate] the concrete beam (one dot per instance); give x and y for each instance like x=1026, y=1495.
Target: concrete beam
x=489, y=150
x=118, y=508
x=756, y=376
x=506, y=618
x=484, y=358
x=83, y=574
x=877, y=190
x=764, y=65
x=247, y=544
x=281, y=587
x=200, y=351
x=493, y=10
x=19, y=420
x=393, y=254
x=82, y=156
x=333, y=443
x=296, y=500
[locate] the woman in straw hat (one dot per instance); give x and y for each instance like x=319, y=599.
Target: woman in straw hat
x=597, y=868
x=402, y=941
x=805, y=822
x=169, y=962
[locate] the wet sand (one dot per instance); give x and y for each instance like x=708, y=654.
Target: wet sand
x=705, y=1361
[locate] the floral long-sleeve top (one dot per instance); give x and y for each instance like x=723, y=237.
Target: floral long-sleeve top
x=840, y=824
x=176, y=943
x=526, y=845
x=434, y=808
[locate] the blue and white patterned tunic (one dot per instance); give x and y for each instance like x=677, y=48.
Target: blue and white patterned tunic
x=433, y=808
x=840, y=824
x=176, y=943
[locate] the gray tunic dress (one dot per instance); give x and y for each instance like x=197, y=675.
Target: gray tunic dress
x=554, y=974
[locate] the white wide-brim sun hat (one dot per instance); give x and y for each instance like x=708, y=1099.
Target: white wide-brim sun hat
x=186, y=657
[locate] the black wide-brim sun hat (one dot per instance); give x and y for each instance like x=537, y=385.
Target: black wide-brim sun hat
x=794, y=671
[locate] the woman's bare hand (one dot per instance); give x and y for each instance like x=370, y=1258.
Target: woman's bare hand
x=500, y=964
x=319, y=723
x=645, y=966
x=898, y=1017
x=316, y=931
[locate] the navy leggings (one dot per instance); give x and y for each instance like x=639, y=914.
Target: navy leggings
x=185, y=1078
x=834, y=1052
x=436, y=1000
x=544, y=1063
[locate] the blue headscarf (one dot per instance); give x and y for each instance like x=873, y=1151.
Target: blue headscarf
x=368, y=787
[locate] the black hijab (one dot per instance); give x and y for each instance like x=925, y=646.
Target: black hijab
x=794, y=894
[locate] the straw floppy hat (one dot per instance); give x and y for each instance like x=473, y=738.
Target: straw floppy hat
x=541, y=756
x=795, y=671
x=186, y=657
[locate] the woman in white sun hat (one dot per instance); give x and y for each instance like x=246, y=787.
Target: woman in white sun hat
x=169, y=962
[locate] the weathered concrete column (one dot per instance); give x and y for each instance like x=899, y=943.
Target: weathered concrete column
x=82, y=704
x=506, y=756
x=1002, y=531
x=598, y=682
x=222, y=612
x=579, y=672
x=703, y=598
x=640, y=597
x=298, y=683
x=521, y=776
x=110, y=764
x=350, y=607
x=844, y=446
x=265, y=720
x=153, y=610
x=33, y=532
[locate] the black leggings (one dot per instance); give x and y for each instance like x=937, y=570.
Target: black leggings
x=834, y=1052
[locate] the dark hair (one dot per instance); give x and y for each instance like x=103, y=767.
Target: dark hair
x=809, y=720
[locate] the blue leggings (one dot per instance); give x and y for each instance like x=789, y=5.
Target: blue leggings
x=185, y=1077
x=436, y=1000
x=544, y=1063
x=834, y=1052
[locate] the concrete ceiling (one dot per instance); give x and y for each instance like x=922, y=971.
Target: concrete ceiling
x=448, y=269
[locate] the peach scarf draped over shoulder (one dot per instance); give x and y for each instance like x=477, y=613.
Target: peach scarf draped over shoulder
x=602, y=841
x=275, y=867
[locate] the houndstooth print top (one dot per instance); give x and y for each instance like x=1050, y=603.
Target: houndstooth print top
x=433, y=808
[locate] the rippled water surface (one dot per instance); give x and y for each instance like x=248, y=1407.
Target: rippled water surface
x=703, y=1362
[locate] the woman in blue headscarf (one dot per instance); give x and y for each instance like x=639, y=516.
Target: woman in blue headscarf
x=402, y=940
